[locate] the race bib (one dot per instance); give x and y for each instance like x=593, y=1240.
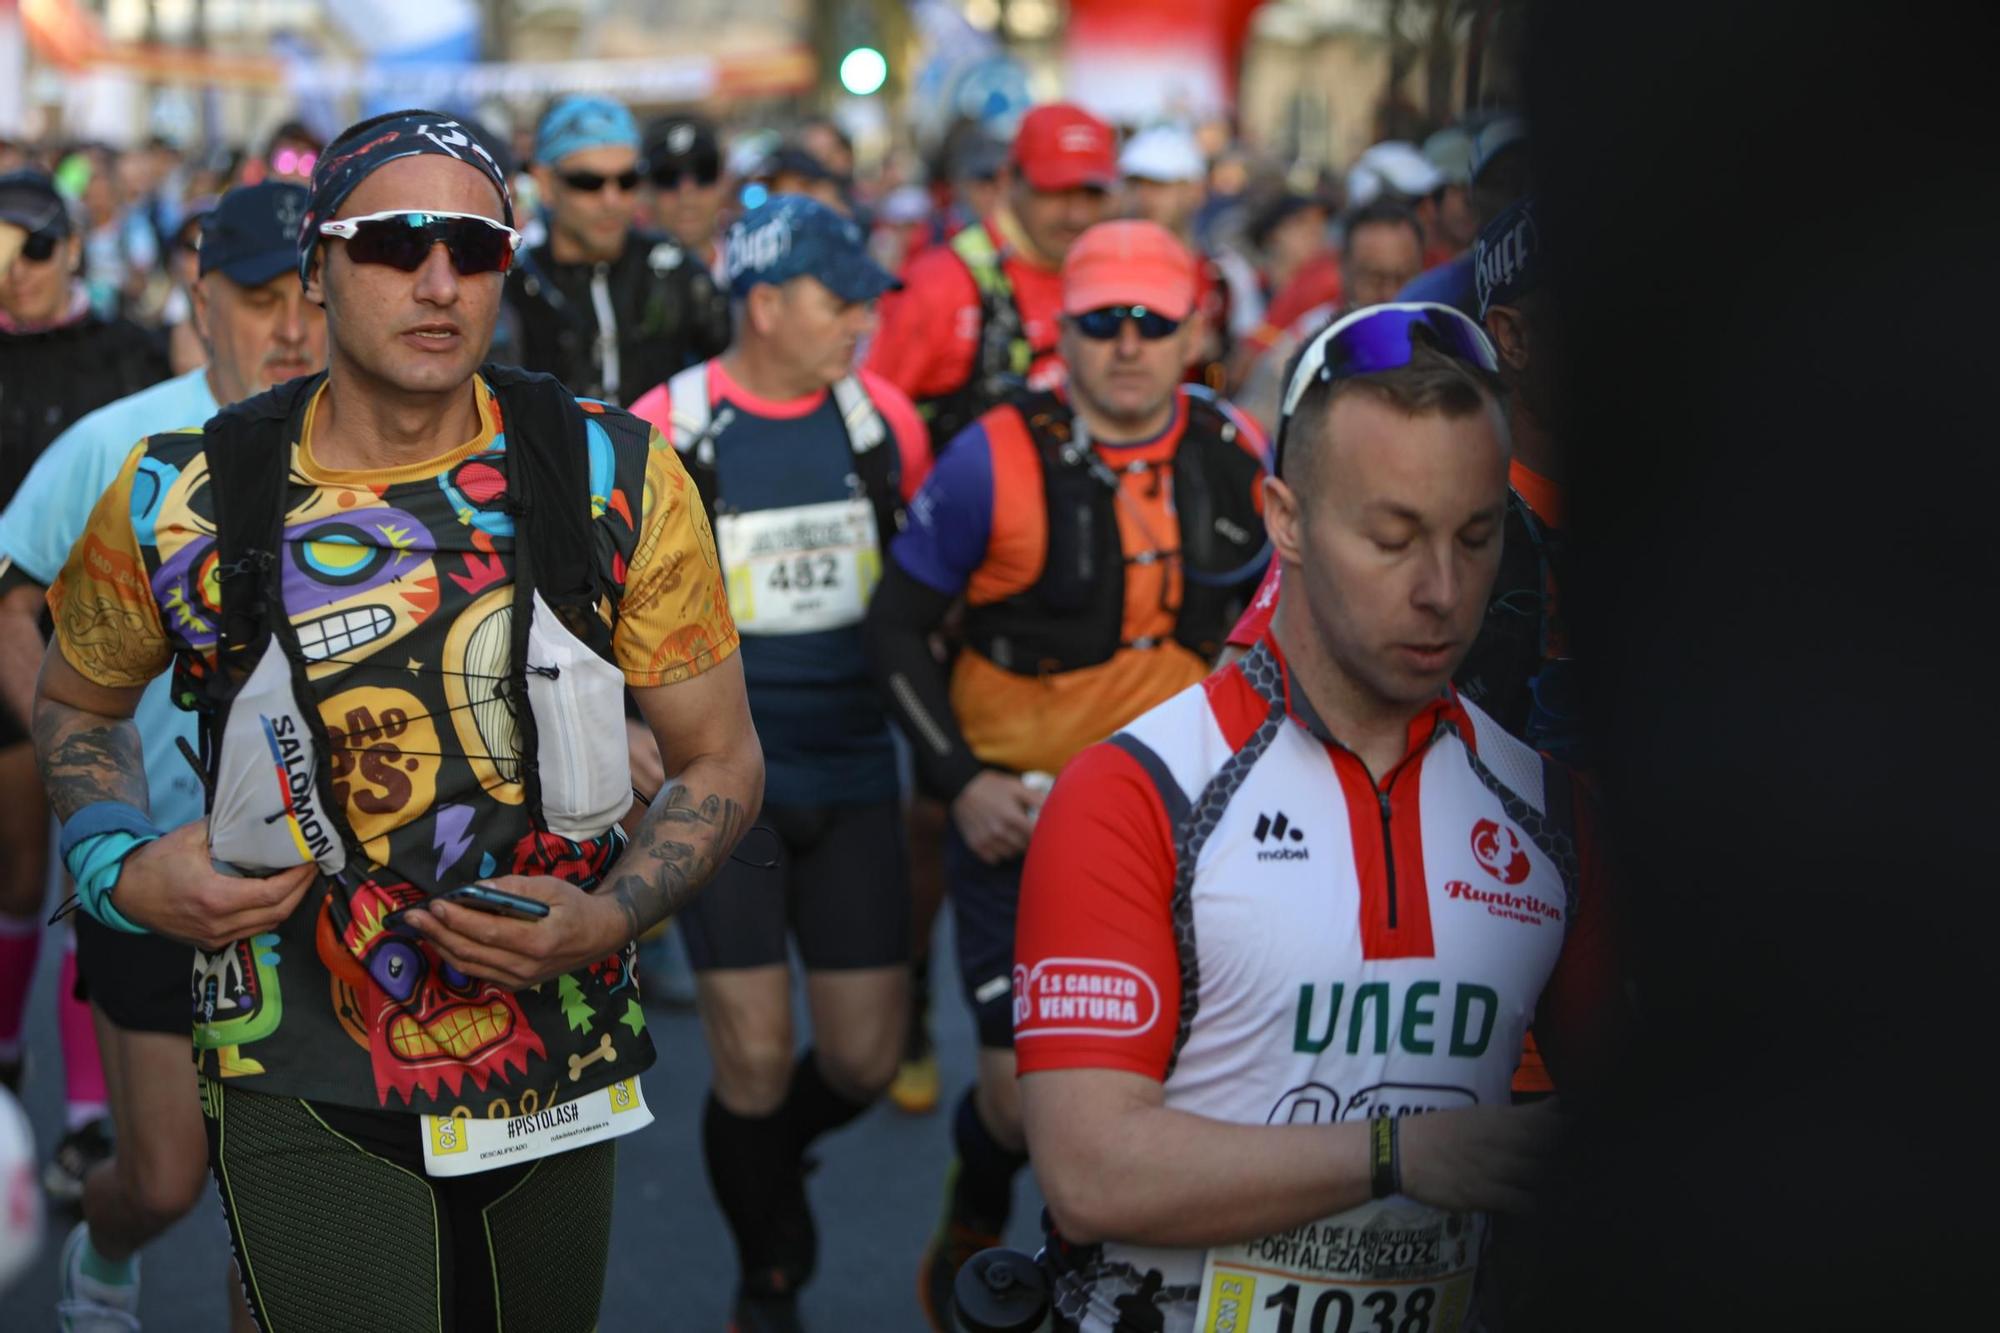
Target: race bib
x=460, y=1146
x=800, y=570
x=1390, y=1266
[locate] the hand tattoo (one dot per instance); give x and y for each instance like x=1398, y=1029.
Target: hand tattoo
x=677, y=849
x=87, y=757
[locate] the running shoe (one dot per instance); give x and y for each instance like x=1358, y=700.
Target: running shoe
x=951, y=1246
x=79, y=1150
x=914, y=1091
x=88, y=1305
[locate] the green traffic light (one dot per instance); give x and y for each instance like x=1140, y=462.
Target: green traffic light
x=863, y=71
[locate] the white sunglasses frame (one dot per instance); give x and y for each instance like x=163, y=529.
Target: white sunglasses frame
x=344, y=228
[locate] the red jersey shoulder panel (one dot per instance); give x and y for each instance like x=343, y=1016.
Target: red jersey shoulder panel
x=1096, y=973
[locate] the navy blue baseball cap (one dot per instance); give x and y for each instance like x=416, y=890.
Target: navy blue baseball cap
x=789, y=236
x=1507, y=259
x=252, y=234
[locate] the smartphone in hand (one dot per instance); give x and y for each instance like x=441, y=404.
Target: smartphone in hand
x=479, y=897
x=486, y=898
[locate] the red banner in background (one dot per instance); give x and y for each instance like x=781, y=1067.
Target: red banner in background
x=1133, y=61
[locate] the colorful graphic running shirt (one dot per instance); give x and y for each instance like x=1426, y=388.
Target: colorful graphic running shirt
x=398, y=584
x=1222, y=898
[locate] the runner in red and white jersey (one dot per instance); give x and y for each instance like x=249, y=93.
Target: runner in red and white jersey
x=1285, y=931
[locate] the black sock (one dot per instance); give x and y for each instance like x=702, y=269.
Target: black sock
x=750, y=1161
x=812, y=1107
x=984, y=1195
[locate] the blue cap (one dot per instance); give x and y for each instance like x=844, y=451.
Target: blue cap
x=788, y=236
x=1507, y=258
x=576, y=123
x=252, y=233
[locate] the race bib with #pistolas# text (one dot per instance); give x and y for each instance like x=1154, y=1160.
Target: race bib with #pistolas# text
x=461, y=1146
x=800, y=570
x=1390, y=1266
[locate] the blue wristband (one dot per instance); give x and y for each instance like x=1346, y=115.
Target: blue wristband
x=95, y=865
x=95, y=842
x=105, y=817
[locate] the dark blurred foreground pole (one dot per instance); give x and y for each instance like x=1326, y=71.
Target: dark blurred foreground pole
x=1772, y=226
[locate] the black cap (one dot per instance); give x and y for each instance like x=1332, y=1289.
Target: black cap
x=28, y=199
x=685, y=142
x=252, y=235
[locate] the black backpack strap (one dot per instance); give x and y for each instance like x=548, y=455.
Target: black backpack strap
x=548, y=491
x=555, y=542
x=247, y=448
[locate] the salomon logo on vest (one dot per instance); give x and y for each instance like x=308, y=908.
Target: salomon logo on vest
x=1277, y=829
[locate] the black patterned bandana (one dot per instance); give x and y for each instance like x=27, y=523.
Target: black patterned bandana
x=361, y=149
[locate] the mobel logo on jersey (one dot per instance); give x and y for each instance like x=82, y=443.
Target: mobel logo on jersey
x=1276, y=831
x=1413, y=1017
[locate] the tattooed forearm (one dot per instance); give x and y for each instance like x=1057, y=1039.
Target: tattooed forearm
x=86, y=757
x=679, y=846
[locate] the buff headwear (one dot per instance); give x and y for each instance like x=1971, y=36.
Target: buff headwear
x=361, y=149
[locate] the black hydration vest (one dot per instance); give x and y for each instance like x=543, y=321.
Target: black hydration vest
x=1074, y=614
x=548, y=494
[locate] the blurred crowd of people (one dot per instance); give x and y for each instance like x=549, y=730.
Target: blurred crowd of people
x=1284, y=246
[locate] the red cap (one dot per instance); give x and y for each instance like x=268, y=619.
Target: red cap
x=1129, y=263
x=1061, y=147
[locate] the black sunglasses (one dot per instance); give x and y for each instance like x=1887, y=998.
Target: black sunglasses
x=704, y=171
x=1104, y=324
x=40, y=247
x=403, y=240
x=590, y=182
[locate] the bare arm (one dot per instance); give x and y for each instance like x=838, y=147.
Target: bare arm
x=709, y=745
x=21, y=601
x=1115, y=1164
x=1099, y=1138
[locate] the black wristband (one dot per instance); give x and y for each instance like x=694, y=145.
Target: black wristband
x=1385, y=1157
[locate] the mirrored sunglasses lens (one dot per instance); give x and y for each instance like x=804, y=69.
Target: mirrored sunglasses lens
x=476, y=247
x=391, y=241
x=1100, y=324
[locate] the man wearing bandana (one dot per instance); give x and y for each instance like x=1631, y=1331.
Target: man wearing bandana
x=410, y=1101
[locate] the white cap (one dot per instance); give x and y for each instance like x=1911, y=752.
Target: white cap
x=1163, y=153
x=905, y=204
x=1450, y=151
x=1393, y=164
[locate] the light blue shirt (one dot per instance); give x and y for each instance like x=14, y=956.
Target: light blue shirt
x=49, y=513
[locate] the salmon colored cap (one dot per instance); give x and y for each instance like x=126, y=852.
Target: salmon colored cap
x=1128, y=263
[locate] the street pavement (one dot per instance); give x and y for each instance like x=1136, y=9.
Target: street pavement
x=876, y=1194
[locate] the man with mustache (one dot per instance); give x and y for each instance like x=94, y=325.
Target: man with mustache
x=258, y=331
